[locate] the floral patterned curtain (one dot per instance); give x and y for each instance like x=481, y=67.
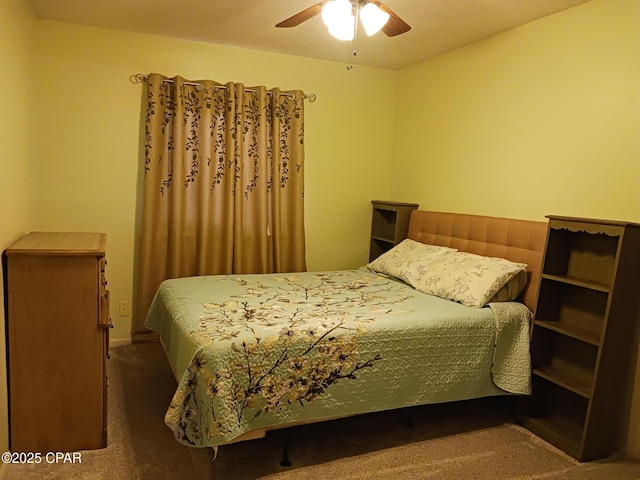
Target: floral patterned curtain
x=223, y=183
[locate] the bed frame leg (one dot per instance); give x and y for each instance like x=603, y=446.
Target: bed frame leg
x=409, y=418
x=285, y=462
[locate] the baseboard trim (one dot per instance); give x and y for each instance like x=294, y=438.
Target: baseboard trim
x=118, y=342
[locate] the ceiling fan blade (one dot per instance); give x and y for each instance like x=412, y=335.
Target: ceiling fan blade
x=395, y=25
x=302, y=16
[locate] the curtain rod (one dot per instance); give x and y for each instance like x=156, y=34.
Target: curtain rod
x=141, y=77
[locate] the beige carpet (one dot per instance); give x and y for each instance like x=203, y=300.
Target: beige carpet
x=470, y=440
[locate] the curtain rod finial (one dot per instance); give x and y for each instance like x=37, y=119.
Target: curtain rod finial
x=137, y=78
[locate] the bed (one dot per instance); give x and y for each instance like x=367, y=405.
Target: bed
x=253, y=353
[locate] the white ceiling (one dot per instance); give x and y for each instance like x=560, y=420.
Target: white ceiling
x=438, y=26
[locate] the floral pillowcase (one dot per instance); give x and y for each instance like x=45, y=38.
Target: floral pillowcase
x=473, y=280
x=406, y=258
x=470, y=279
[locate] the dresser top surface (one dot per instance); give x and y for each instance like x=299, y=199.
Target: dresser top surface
x=60, y=243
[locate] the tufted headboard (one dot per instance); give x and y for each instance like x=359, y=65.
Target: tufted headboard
x=516, y=240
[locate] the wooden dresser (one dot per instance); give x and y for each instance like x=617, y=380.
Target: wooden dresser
x=57, y=340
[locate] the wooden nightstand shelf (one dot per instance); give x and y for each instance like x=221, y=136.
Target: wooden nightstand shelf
x=582, y=334
x=389, y=225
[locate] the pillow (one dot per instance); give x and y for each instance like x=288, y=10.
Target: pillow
x=512, y=289
x=408, y=256
x=465, y=277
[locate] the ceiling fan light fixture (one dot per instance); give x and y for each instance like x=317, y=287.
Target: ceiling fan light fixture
x=344, y=30
x=338, y=16
x=373, y=18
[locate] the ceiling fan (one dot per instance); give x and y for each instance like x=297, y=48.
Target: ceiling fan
x=341, y=16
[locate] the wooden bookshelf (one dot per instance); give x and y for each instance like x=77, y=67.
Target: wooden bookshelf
x=582, y=334
x=389, y=225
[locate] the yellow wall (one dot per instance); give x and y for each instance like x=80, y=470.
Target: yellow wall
x=88, y=140
x=18, y=177
x=542, y=119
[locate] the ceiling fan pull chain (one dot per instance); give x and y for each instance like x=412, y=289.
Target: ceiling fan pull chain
x=353, y=45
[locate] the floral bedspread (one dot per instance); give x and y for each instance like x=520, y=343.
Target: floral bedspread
x=251, y=351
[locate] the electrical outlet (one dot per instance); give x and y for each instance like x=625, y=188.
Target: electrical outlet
x=123, y=308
